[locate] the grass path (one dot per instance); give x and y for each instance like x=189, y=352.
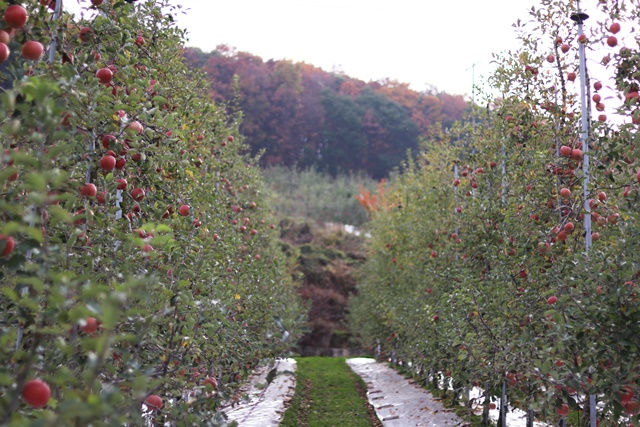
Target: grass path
x=328, y=394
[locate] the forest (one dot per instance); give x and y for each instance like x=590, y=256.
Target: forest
x=298, y=114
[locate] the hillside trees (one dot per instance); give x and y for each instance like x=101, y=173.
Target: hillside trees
x=478, y=269
x=137, y=262
x=305, y=116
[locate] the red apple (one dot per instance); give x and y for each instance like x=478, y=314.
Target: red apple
x=612, y=41
x=456, y=182
x=105, y=75
x=595, y=236
x=122, y=183
x=4, y=52
x=183, y=210
x=597, y=85
x=89, y=190
x=571, y=76
x=602, y=118
x=565, y=192
x=632, y=407
x=552, y=300
x=9, y=245
x=211, y=381
x=90, y=326
x=492, y=405
x=32, y=50
x=582, y=38
x=96, y=2
x=565, y=48
x=16, y=16
x=576, y=154
x=596, y=98
x=565, y=151
x=135, y=127
x=614, y=28
x=138, y=194
x=551, y=58
x=563, y=410
x=36, y=393
x=108, y=163
x=140, y=40
x=5, y=37
x=154, y=402
x=602, y=196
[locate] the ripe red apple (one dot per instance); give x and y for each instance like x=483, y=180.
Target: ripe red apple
x=16, y=16
x=568, y=227
x=108, y=163
x=456, y=182
x=105, y=75
x=563, y=410
x=602, y=196
x=230, y=138
x=597, y=85
x=32, y=50
x=576, y=154
x=211, y=381
x=90, y=326
x=595, y=236
x=5, y=37
x=183, y=210
x=96, y=2
x=436, y=317
x=602, y=118
x=492, y=406
x=140, y=40
x=85, y=34
x=138, y=194
x=36, y=393
x=596, y=98
x=562, y=236
x=147, y=248
x=565, y=151
x=551, y=58
x=9, y=245
x=565, y=48
x=4, y=52
x=122, y=184
x=600, y=106
x=612, y=41
x=565, y=192
x=552, y=300
x=154, y=402
x=120, y=163
x=582, y=38
x=571, y=76
x=135, y=127
x=626, y=394
x=632, y=407
x=614, y=28
x=89, y=190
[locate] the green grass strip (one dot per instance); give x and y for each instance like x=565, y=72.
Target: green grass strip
x=328, y=393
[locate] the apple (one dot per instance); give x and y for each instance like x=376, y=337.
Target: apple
x=600, y=106
x=596, y=98
x=120, y=163
x=36, y=393
x=4, y=52
x=595, y=236
x=632, y=407
x=9, y=245
x=571, y=76
x=90, y=326
x=563, y=410
x=147, y=248
x=434, y=254
x=108, y=163
x=551, y=58
x=597, y=85
x=562, y=236
x=212, y=381
x=565, y=151
x=565, y=48
x=89, y=190
x=5, y=37
x=254, y=232
x=138, y=194
x=16, y=16
x=183, y=210
x=602, y=196
x=552, y=300
x=105, y=75
x=456, y=182
x=122, y=184
x=96, y=2
x=32, y=50
x=135, y=127
x=436, y=317
x=492, y=406
x=626, y=394
x=612, y=41
x=107, y=139
x=614, y=28
x=543, y=247
x=565, y=192
x=576, y=154
x=602, y=118
x=568, y=227
x=153, y=402
x=140, y=40
x=582, y=38
x=230, y=138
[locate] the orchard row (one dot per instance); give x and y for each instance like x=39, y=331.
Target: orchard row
x=139, y=275
x=480, y=266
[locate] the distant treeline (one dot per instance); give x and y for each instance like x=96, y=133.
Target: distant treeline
x=304, y=116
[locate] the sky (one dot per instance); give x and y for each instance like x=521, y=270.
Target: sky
x=426, y=43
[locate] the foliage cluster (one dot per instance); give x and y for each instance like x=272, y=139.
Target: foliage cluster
x=137, y=257
x=478, y=268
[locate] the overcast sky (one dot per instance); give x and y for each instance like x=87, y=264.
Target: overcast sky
x=424, y=43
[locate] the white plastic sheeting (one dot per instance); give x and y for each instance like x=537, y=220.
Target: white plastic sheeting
x=266, y=403
x=398, y=402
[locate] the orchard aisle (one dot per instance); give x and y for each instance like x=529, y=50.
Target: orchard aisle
x=266, y=406
x=397, y=402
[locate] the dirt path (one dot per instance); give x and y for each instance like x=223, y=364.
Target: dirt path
x=398, y=402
